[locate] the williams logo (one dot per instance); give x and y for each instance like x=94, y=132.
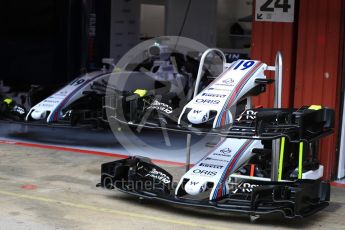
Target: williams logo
x=215, y=159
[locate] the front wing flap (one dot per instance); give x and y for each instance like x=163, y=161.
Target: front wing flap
x=139, y=177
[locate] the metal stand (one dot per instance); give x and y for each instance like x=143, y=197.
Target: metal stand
x=278, y=69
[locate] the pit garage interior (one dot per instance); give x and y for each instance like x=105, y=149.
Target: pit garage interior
x=49, y=172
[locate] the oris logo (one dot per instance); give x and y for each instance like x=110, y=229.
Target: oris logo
x=204, y=172
x=213, y=95
x=207, y=101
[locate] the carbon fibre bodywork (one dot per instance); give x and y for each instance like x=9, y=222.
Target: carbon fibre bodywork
x=144, y=179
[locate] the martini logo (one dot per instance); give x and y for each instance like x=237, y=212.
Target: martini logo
x=226, y=82
x=207, y=101
x=204, y=172
x=229, y=81
x=225, y=151
x=210, y=166
x=213, y=95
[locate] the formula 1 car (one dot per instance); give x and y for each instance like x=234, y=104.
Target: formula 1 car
x=82, y=101
x=266, y=163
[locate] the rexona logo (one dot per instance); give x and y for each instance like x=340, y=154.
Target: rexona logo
x=159, y=176
x=213, y=95
x=210, y=166
x=207, y=101
x=204, y=172
x=161, y=106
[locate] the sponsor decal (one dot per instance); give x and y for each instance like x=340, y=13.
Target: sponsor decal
x=245, y=187
x=51, y=101
x=215, y=159
x=159, y=176
x=213, y=95
x=226, y=82
x=197, y=111
x=229, y=81
x=225, y=151
x=218, y=84
x=46, y=105
x=18, y=109
x=221, y=154
x=211, y=166
x=247, y=115
x=161, y=106
x=61, y=94
x=204, y=172
x=207, y=101
x=205, y=118
x=193, y=183
x=219, y=89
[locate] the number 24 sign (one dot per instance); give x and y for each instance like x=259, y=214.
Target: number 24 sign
x=275, y=10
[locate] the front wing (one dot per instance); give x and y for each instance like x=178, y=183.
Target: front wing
x=142, y=178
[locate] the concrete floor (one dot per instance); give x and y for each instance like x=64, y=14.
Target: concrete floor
x=50, y=189
x=149, y=143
